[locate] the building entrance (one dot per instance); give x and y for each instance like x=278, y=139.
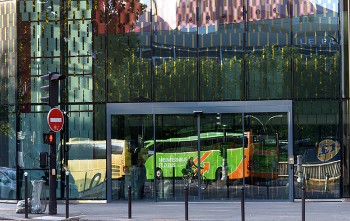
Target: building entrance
x=213, y=149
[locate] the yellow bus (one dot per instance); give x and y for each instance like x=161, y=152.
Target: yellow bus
x=87, y=164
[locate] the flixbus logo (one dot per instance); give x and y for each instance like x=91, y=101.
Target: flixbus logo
x=327, y=149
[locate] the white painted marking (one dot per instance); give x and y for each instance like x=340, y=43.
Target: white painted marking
x=56, y=120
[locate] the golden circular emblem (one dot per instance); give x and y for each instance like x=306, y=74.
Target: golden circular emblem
x=327, y=149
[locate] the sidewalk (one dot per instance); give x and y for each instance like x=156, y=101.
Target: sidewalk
x=171, y=211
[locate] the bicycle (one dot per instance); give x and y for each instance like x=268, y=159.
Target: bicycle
x=189, y=177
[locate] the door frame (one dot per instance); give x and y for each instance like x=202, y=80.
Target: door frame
x=234, y=107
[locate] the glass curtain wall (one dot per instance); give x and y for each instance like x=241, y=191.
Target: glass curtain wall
x=8, y=114
x=317, y=141
x=173, y=50
x=212, y=50
x=122, y=46
x=317, y=77
x=39, y=53
x=268, y=50
x=221, y=50
x=345, y=105
x=345, y=151
x=56, y=36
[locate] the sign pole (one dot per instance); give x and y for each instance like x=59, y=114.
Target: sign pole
x=55, y=120
x=52, y=181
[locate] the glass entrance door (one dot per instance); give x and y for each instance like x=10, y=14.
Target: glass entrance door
x=223, y=144
x=150, y=153
x=130, y=139
x=268, y=176
x=175, y=156
x=213, y=153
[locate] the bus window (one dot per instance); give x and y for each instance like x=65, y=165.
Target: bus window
x=117, y=148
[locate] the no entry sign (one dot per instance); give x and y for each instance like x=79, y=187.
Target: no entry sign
x=55, y=119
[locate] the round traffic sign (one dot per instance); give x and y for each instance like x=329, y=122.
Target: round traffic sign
x=55, y=119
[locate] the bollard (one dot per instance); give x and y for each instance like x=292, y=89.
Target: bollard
x=228, y=187
x=242, y=204
x=186, y=203
x=174, y=182
x=129, y=202
x=163, y=194
x=268, y=191
x=326, y=183
x=67, y=194
x=26, y=195
x=300, y=178
x=303, y=204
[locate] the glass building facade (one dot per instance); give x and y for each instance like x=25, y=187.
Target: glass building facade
x=241, y=87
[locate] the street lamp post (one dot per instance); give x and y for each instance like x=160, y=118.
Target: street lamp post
x=279, y=116
x=264, y=124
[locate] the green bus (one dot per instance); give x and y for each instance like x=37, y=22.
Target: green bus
x=221, y=155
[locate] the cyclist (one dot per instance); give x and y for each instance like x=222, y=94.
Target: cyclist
x=189, y=166
x=189, y=174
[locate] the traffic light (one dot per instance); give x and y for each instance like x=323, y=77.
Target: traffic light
x=51, y=88
x=49, y=138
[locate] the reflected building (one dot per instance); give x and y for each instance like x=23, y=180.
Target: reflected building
x=241, y=87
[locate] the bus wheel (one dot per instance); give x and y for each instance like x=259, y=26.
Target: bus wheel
x=219, y=174
x=95, y=180
x=159, y=173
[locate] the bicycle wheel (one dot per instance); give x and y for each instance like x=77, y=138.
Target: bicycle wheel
x=204, y=182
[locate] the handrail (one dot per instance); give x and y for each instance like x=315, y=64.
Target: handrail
x=317, y=172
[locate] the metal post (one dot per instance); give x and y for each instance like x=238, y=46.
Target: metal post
x=242, y=205
x=326, y=182
x=26, y=195
x=186, y=203
x=174, y=182
x=67, y=194
x=155, y=186
x=52, y=181
x=268, y=191
x=300, y=178
x=163, y=194
x=199, y=149
x=303, y=204
x=227, y=187
x=129, y=202
x=243, y=141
